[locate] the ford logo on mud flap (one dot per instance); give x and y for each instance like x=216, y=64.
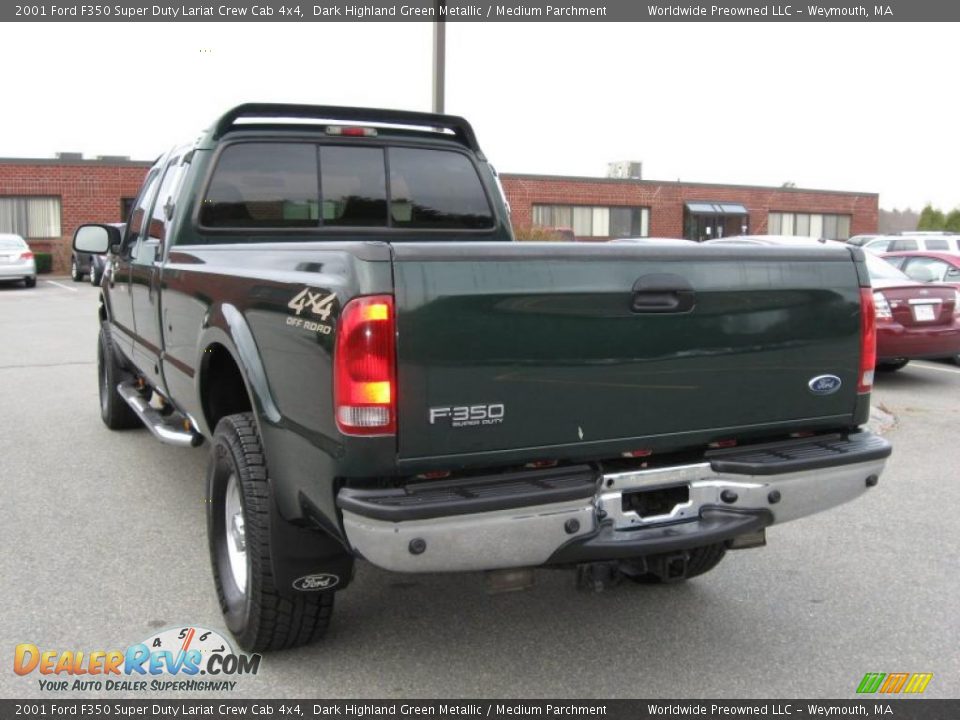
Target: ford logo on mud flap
x=824, y=384
x=315, y=583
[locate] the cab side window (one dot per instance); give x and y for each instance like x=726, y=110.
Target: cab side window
x=137, y=222
x=151, y=240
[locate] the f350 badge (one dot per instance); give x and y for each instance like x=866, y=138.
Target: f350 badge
x=468, y=415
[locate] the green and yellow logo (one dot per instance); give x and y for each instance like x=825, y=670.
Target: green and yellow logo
x=894, y=683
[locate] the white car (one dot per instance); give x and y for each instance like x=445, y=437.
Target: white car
x=16, y=260
x=924, y=241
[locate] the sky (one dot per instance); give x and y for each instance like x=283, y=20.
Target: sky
x=845, y=106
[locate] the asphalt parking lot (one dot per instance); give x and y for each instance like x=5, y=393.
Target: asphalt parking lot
x=104, y=538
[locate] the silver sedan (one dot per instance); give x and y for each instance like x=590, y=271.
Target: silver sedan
x=16, y=260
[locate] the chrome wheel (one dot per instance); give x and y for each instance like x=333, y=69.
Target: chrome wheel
x=74, y=271
x=236, y=539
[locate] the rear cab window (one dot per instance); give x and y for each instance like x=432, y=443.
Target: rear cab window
x=289, y=185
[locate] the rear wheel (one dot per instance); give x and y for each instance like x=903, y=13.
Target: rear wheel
x=114, y=411
x=30, y=282
x=238, y=528
x=95, y=276
x=892, y=365
x=675, y=567
x=75, y=274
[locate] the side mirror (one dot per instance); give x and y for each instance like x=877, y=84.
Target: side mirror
x=95, y=238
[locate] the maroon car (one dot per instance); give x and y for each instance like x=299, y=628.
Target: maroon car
x=914, y=319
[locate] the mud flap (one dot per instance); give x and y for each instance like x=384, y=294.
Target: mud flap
x=305, y=558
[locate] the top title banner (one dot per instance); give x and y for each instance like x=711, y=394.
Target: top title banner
x=478, y=11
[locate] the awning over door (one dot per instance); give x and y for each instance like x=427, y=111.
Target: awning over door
x=706, y=208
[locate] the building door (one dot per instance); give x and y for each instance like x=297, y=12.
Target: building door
x=708, y=221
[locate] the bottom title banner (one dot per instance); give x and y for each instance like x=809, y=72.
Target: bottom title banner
x=626, y=709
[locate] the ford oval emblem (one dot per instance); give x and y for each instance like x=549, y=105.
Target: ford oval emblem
x=824, y=384
x=314, y=583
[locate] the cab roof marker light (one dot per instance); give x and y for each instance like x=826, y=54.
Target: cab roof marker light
x=351, y=131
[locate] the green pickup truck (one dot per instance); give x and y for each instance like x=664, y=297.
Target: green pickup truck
x=332, y=298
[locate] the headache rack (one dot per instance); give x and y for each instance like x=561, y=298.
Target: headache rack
x=457, y=126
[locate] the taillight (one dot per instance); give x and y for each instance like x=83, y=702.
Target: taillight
x=26, y=255
x=882, y=306
x=364, y=374
x=868, y=337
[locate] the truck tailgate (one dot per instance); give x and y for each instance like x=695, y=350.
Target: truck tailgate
x=508, y=346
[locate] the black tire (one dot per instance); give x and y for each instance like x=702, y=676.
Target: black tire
x=95, y=276
x=258, y=616
x=75, y=273
x=892, y=365
x=30, y=282
x=114, y=411
x=699, y=561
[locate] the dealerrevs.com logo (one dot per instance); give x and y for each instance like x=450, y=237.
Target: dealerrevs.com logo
x=179, y=659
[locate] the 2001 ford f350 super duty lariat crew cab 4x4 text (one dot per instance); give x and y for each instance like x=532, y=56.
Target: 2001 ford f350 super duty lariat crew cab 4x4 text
x=336, y=304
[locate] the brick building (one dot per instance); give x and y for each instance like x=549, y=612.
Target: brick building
x=46, y=199
x=601, y=208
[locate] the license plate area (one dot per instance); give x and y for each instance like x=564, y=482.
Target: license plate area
x=656, y=502
x=924, y=312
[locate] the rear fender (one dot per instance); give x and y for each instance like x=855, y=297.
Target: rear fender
x=227, y=327
x=299, y=549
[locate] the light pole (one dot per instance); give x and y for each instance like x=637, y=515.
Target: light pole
x=439, y=56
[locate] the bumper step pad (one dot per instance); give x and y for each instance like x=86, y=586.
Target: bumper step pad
x=420, y=501
x=797, y=455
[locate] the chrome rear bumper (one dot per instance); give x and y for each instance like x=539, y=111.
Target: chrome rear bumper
x=720, y=505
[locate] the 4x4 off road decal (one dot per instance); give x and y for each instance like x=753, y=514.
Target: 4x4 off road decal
x=318, y=306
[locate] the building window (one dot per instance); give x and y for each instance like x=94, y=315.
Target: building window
x=815, y=225
x=598, y=222
x=30, y=217
x=126, y=205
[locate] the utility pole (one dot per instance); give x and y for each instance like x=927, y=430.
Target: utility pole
x=439, y=57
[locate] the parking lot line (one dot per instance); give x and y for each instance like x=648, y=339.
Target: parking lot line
x=65, y=287
x=925, y=366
